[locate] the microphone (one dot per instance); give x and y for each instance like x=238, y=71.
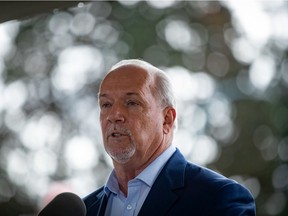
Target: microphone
x=65, y=204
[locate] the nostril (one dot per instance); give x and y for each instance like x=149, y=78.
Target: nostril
x=116, y=119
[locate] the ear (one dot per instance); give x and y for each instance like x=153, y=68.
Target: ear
x=169, y=119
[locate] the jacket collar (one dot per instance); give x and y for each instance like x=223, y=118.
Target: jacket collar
x=162, y=194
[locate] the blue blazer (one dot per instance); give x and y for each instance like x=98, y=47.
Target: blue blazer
x=183, y=188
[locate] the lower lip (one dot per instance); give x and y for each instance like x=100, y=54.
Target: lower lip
x=116, y=137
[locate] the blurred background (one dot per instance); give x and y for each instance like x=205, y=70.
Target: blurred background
x=228, y=62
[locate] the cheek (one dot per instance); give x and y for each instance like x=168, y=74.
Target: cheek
x=103, y=118
x=151, y=125
x=103, y=125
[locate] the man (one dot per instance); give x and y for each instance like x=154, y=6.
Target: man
x=150, y=176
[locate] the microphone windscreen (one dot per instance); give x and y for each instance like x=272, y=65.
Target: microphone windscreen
x=65, y=204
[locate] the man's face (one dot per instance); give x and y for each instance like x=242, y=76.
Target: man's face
x=131, y=118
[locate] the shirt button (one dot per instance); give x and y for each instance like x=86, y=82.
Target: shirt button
x=129, y=207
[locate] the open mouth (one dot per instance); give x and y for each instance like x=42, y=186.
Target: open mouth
x=116, y=134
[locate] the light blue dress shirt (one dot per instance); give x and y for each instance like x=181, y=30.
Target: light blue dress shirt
x=138, y=188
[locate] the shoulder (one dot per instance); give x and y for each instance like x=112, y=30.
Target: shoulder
x=207, y=176
x=208, y=180
x=210, y=191
x=194, y=174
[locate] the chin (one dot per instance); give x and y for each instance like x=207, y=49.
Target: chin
x=122, y=157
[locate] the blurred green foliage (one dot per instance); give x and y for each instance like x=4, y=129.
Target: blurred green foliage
x=53, y=66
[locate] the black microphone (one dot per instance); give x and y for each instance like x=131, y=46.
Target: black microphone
x=65, y=204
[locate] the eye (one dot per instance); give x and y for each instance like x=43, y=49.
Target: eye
x=105, y=105
x=132, y=103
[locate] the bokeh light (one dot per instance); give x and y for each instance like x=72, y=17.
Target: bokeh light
x=227, y=61
x=80, y=153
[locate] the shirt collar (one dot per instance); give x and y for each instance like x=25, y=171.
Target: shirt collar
x=148, y=175
x=112, y=184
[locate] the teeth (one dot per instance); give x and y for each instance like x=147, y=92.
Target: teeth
x=116, y=134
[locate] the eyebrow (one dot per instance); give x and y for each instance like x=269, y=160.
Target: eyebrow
x=132, y=93
x=102, y=95
x=128, y=94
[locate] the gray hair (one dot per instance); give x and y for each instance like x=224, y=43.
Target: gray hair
x=163, y=87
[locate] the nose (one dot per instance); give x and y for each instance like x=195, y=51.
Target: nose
x=116, y=114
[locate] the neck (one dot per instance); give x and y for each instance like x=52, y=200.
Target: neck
x=123, y=177
x=128, y=171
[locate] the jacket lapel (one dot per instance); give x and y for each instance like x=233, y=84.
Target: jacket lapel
x=103, y=204
x=99, y=206
x=162, y=194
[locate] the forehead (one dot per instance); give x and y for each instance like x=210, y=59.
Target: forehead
x=126, y=78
